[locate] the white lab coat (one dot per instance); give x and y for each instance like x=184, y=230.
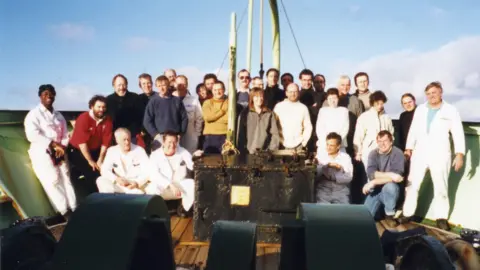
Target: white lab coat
x=171, y=171
x=133, y=166
x=369, y=124
x=41, y=128
x=189, y=140
x=331, y=120
x=431, y=150
x=334, y=185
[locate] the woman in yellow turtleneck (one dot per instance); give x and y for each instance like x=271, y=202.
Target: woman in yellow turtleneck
x=216, y=120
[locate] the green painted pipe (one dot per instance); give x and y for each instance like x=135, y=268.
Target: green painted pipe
x=275, y=34
x=232, y=97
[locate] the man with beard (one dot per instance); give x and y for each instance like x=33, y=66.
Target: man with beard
x=243, y=91
x=273, y=94
x=362, y=82
x=195, y=117
x=319, y=83
x=91, y=137
x=46, y=130
x=171, y=74
x=164, y=112
x=146, y=84
x=124, y=107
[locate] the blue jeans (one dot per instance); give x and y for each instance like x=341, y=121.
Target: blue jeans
x=386, y=195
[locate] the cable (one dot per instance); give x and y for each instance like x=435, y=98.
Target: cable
x=238, y=27
x=293, y=34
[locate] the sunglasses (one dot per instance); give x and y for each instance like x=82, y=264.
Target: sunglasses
x=244, y=77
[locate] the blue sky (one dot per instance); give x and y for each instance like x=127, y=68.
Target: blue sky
x=79, y=45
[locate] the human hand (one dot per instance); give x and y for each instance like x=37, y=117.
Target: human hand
x=358, y=157
x=407, y=154
x=94, y=165
x=176, y=191
x=458, y=162
x=367, y=187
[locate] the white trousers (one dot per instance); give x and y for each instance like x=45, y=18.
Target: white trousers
x=186, y=187
x=105, y=185
x=439, y=167
x=55, y=181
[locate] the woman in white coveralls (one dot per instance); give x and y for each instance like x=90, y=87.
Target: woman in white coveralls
x=169, y=172
x=125, y=168
x=428, y=145
x=46, y=130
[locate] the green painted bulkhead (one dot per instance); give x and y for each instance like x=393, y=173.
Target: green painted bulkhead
x=22, y=189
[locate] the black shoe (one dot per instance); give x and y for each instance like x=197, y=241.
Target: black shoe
x=443, y=224
x=390, y=221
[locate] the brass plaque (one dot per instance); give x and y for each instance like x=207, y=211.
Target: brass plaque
x=240, y=195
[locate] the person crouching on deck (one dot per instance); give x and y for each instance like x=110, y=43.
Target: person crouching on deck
x=171, y=169
x=257, y=125
x=88, y=145
x=334, y=172
x=46, y=130
x=126, y=166
x=294, y=120
x=215, y=114
x=385, y=170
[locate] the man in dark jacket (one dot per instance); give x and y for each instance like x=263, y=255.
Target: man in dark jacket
x=273, y=94
x=164, y=112
x=146, y=84
x=123, y=107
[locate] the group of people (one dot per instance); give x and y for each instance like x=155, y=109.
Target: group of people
x=350, y=133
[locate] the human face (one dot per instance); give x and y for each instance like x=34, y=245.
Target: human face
x=209, y=84
x=218, y=91
x=202, y=92
x=162, y=87
x=257, y=83
x=293, y=92
x=99, y=109
x=332, y=101
x=343, y=87
x=124, y=141
x=244, y=78
x=170, y=74
x=146, y=86
x=319, y=83
x=170, y=145
x=272, y=78
x=332, y=146
x=286, y=80
x=120, y=86
x=362, y=83
x=408, y=104
x=181, y=85
x=258, y=100
x=47, y=98
x=434, y=96
x=379, y=106
x=306, y=81
x=384, y=144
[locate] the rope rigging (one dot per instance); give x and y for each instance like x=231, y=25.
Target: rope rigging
x=238, y=26
x=293, y=34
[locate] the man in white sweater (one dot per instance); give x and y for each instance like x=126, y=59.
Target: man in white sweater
x=125, y=168
x=294, y=120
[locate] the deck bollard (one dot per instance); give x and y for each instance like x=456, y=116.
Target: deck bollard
x=233, y=246
x=117, y=232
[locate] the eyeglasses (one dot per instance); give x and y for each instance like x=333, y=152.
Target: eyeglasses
x=244, y=77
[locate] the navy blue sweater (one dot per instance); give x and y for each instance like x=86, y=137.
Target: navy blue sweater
x=164, y=114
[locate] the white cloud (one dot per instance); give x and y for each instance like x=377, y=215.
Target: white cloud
x=456, y=65
x=73, y=31
x=74, y=97
x=139, y=43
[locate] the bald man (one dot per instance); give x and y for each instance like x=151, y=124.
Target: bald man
x=171, y=74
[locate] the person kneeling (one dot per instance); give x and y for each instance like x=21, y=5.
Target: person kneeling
x=125, y=168
x=385, y=171
x=335, y=172
x=171, y=167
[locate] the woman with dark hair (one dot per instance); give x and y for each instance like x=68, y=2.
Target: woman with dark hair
x=369, y=124
x=257, y=125
x=202, y=93
x=406, y=117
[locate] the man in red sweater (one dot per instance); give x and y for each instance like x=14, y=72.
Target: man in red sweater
x=88, y=145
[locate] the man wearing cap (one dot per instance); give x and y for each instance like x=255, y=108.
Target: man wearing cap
x=46, y=130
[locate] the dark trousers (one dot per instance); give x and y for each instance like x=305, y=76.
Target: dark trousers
x=213, y=144
x=82, y=175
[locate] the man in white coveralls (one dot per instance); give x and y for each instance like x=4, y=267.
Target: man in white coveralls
x=46, y=130
x=125, y=168
x=428, y=145
x=171, y=167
